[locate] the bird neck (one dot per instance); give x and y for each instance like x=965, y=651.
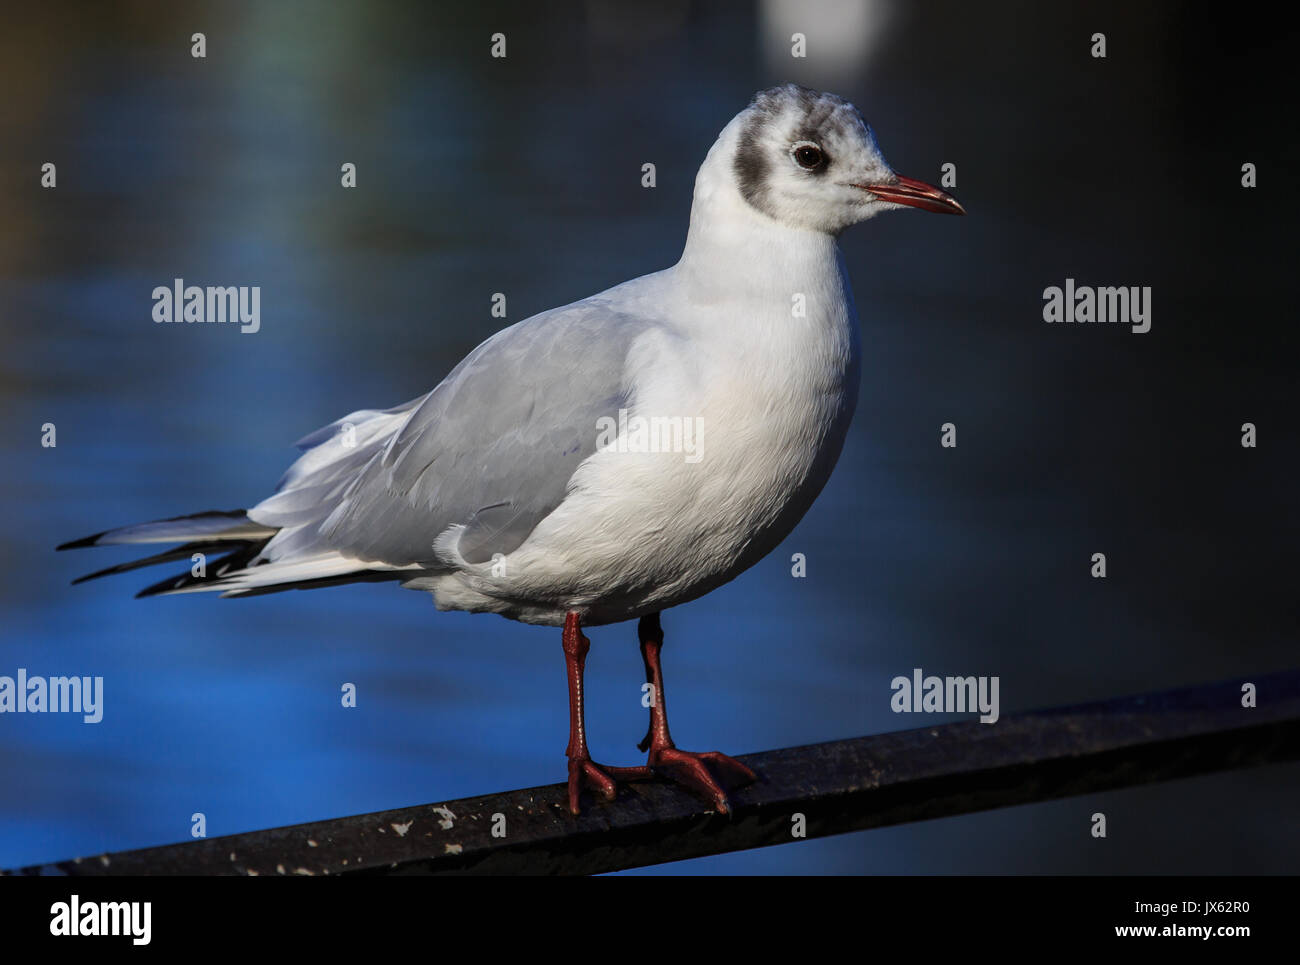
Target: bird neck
x=733, y=248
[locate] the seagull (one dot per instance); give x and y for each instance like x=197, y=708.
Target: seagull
x=612, y=458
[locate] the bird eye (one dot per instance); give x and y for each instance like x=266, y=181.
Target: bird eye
x=808, y=156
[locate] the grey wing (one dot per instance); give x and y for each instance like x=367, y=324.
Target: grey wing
x=492, y=448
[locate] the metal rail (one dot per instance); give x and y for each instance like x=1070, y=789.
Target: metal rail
x=841, y=786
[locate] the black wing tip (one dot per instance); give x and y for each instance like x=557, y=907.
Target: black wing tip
x=157, y=589
x=220, y=567
x=85, y=541
x=77, y=544
x=166, y=556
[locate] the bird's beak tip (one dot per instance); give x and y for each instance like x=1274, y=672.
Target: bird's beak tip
x=915, y=194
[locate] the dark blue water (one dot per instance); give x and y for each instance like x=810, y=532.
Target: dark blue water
x=522, y=176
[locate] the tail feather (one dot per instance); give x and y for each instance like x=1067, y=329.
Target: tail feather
x=209, y=533
x=214, y=573
x=243, y=574
x=213, y=525
x=243, y=571
x=176, y=553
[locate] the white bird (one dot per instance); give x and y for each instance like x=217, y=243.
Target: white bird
x=612, y=458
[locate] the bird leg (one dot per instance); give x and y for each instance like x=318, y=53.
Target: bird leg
x=582, y=770
x=684, y=767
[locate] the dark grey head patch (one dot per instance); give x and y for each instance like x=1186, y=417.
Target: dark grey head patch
x=782, y=116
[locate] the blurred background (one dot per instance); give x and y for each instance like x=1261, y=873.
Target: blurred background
x=522, y=175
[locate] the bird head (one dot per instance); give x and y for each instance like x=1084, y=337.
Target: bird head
x=808, y=160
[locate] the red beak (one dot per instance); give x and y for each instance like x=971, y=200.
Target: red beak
x=917, y=194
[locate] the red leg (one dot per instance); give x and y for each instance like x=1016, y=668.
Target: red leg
x=582, y=770
x=685, y=767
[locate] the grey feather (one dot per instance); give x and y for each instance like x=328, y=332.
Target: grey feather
x=492, y=448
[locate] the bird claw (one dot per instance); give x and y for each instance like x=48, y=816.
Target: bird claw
x=583, y=771
x=687, y=769
x=684, y=768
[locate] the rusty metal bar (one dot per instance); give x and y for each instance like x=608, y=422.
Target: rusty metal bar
x=841, y=786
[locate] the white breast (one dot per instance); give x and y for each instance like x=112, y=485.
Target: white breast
x=770, y=394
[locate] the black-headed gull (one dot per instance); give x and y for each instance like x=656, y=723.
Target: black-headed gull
x=612, y=458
